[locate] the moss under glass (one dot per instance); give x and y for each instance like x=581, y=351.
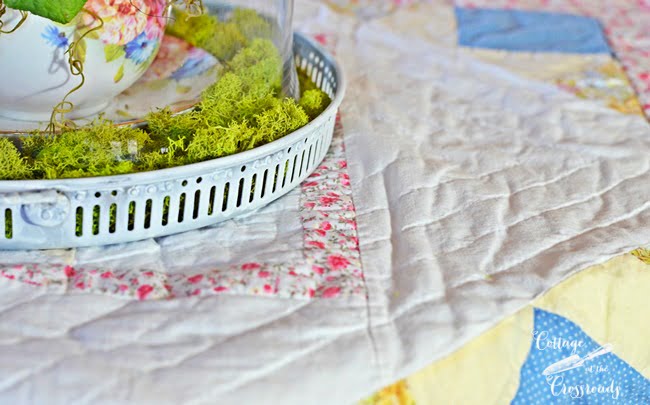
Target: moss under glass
x=244, y=109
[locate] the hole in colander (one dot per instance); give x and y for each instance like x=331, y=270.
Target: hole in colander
x=165, y=213
x=9, y=224
x=96, y=214
x=293, y=170
x=226, y=191
x=147, y=213
x=181, y=208
x=112, y=218
x=131, y=224
x=286, y=172
x=79, y=222
x=252, y=193
x=308, y=158
x=302, y=161
x=240, y=191
x=266, y=173
x=197, y=200
x=275, y=177
x=213, y=191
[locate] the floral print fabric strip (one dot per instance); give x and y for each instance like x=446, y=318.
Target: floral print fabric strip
x=330, y=226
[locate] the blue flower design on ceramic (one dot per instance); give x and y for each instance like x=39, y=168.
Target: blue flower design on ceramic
x=140, y=49
x=55, y=37
x=566, y=366
x=194, y=66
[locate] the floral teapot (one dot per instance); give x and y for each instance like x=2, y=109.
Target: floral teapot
x=112, y=41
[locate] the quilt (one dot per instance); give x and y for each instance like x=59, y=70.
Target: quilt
x=585, y=340
x=471, y=178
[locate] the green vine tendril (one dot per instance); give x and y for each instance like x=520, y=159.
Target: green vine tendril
x=3, y=10
x=57, y=119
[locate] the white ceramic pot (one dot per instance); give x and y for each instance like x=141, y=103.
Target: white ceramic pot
x=34, y=64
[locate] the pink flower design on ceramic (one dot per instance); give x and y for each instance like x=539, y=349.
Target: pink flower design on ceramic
x=250, y=266
x=172, y=54
x=156, y=19
x=123, y=19
x=195, y=279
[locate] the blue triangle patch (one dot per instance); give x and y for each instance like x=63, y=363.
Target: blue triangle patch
x=566, y=366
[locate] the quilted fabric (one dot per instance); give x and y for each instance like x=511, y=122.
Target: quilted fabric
x=472, y=189
x=508, y=361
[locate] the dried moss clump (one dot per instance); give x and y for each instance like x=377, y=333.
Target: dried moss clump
x=313, y=100
x=216, y=141
x=12, y=165
x=100, y=149
x=313, y=103
x=241, y=111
